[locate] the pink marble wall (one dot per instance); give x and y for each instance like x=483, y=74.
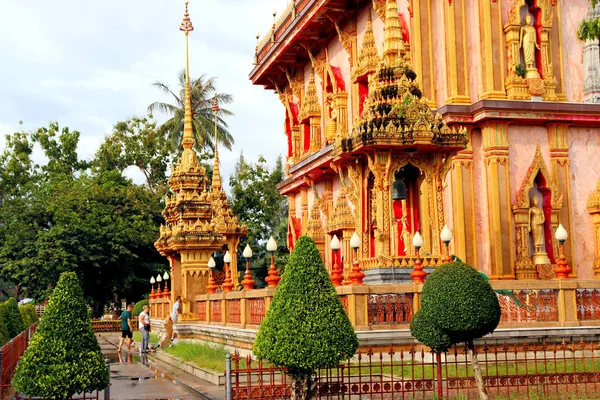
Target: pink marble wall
x=481, y=212
x=584, y=151
x=439, y=52
x=338, y=57
x=572, y=13
x=473, y=49
x=523, y=140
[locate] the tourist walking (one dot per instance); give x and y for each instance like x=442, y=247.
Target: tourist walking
x=126, y=328
x=175, y=315
x=144, y=325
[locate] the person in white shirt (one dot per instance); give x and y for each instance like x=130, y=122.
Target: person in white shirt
x=175, y=315
x=144, y=325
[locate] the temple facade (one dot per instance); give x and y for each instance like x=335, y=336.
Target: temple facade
x=405, y=116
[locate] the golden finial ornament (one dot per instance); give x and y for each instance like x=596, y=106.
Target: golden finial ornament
x=216, y=183
x=188, y=136
x=393, y=45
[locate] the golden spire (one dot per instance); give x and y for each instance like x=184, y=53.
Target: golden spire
x=188, y=136
x=216, y=181
x=393, y=46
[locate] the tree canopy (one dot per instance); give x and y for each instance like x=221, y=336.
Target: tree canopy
x=589, y=29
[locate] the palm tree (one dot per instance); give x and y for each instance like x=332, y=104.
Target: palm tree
x=202, y=94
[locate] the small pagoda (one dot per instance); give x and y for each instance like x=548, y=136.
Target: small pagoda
x=199, y=222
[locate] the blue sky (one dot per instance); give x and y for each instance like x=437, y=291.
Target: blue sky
x=89, y=64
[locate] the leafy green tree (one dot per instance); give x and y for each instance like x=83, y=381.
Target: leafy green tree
x=256, y=201
x=60, y=147
x=4, y=336
x=589, y=29
x=202, y=94
x=306, y=327
x=63, y=357
x=28, y=314
x=9, y=313
x=457, y=305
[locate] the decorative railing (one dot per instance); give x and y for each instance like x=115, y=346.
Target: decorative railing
x=524, y=371
x=258, y=310
x=10, y=354
x=527, y=305
x=588, y=304
x=216, y=310
x=400, y=262
x=390, y=308
x=531, y=304
x=235, y=311
x=110, y=325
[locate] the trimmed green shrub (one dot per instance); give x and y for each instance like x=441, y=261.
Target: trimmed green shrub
x=28, y=314
x=139, y=307
x=306, y=327
x=63, y=357
x=11, y=316
x=459, y=301
x=4, y=338
x=457, y=305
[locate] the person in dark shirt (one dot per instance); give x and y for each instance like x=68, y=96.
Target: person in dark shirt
x=126, y=328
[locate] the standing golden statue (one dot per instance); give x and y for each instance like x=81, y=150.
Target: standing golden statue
x=536, y=227
x=528, y=42
x=536, y=224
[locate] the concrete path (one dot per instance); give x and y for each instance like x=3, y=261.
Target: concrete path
x=134, y=377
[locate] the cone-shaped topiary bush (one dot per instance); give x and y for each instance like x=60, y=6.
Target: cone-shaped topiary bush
x=306, y=327
x=63, y=357
x=11, y=316
x=28, y=314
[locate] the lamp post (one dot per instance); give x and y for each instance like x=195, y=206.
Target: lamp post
x=248, y=282
x=273, y=278
x=227, y=284
x=152, y=293
x=356, y=276
x=211, y=287
x=159, y=291
x=166, y=277
x=446, y=237
x=562, y=269
x=336, y=276
x=418, y=275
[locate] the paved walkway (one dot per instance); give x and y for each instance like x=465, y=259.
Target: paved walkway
x=134, y=377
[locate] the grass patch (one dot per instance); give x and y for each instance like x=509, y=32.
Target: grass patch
x=203, y=355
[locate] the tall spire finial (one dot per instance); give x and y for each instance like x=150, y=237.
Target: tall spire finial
x=393, y=45
x=216, y=181
x=188, y=136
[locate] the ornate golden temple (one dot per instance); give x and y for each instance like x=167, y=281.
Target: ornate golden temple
x=428, y=129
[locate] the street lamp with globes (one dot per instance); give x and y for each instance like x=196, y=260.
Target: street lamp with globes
x=356, y=276
x=211, y=287
x=418, y=275
x=158, y=281
x=248, y=282
x=166, y=277
x=273, y=278
x=228, y=284
x=446, y=237
x=152, y=282
x=562, y=269
x=336, y=276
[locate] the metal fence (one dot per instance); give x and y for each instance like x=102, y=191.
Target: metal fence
x=552, y=371
x=10, y=354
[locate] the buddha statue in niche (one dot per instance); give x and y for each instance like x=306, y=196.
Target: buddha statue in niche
x=528, y=43
x=536, y=228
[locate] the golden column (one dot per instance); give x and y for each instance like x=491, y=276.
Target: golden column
x=493, y=50
x=304, y=208
x=593, y=207
x=463, y=205
x=559, y=168
x=422, y=47
x=500, y=244
x=457, y=73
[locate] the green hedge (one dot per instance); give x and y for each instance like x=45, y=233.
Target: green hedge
x=9, y=313
x=63, y=357
x=28, y=314
x=139, y=307
x=4, y=338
